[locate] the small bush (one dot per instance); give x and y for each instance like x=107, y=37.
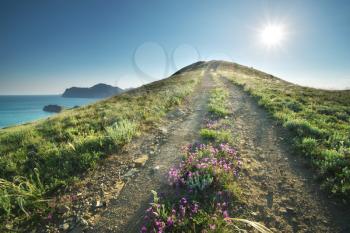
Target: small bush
x=326, y=110
x=294, y=106
x=303, y=128
x=309, y=146
x=122, y=131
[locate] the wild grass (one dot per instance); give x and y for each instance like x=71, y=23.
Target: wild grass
x=122, y=131
x=59, y=148
x=219, y=136
x=255, y=225
x=21, y=196
x=218, y=102
x=205, y=187
x=218, y=109
x=319, y=120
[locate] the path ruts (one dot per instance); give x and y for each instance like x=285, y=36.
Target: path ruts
x=126, y=213
x=279, y=188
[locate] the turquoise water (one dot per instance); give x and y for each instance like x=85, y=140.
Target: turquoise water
x=21, y=109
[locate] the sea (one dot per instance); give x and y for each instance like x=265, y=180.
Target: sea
x=15, y=110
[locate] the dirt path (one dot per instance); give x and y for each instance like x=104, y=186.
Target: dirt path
x=277, y=186
x=125, y=213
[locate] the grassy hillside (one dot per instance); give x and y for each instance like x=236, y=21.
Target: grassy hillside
x=39, y=157
x=203, y=193
x=319, y=120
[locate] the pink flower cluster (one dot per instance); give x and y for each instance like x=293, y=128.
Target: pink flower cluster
x=158, y=219
x=203, y=158
x=198, y=173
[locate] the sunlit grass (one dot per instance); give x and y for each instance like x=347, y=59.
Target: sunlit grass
x=205, y=185
x=58, y=149
x=122, y=131
x=218, y=103
x=319, y=120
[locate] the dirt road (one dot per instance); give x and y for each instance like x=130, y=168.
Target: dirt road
x=125, y=214
x=278, y=187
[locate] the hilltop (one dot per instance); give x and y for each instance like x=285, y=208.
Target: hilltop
x=97, y=91
x=219, y=145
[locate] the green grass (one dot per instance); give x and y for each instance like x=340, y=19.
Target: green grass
x=218, y=103
x=122, y=131
x=26, y=194
x=319, y=120
x=217, y=112
x=39, y=157
x=206, y=192
x=219, y=136
x=218, y=109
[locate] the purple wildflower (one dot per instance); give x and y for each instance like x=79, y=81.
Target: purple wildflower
x=49, y=216
x=194, y=208
x=225, y=214
x=183, y=201
x=143, y=229
x=170, y=222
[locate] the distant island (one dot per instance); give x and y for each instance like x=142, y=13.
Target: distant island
x=98, y=91
x=53, y=108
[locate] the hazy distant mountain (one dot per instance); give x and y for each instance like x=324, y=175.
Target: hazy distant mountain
x=98, y=91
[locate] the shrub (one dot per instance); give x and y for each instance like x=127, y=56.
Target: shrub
x=326, y=110
x=122, y=131
x=304, y=128
x=294, y=106
x=309, y=146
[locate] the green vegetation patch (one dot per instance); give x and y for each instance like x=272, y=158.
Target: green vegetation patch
x=218, y=102
x=38, y=158
x=219, y=136
x=206, y=191
x=319, y=119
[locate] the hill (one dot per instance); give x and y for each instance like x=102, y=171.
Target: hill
x=49, y=154
x=98, y=91
x=198, y=138
x=319, y=120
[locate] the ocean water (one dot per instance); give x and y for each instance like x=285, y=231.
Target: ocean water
x=22, y=109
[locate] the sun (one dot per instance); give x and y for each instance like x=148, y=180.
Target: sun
x=273, y=35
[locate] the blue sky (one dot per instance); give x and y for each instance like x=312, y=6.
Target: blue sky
x=49, y=45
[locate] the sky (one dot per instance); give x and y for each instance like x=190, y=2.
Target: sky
x=49, y=45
